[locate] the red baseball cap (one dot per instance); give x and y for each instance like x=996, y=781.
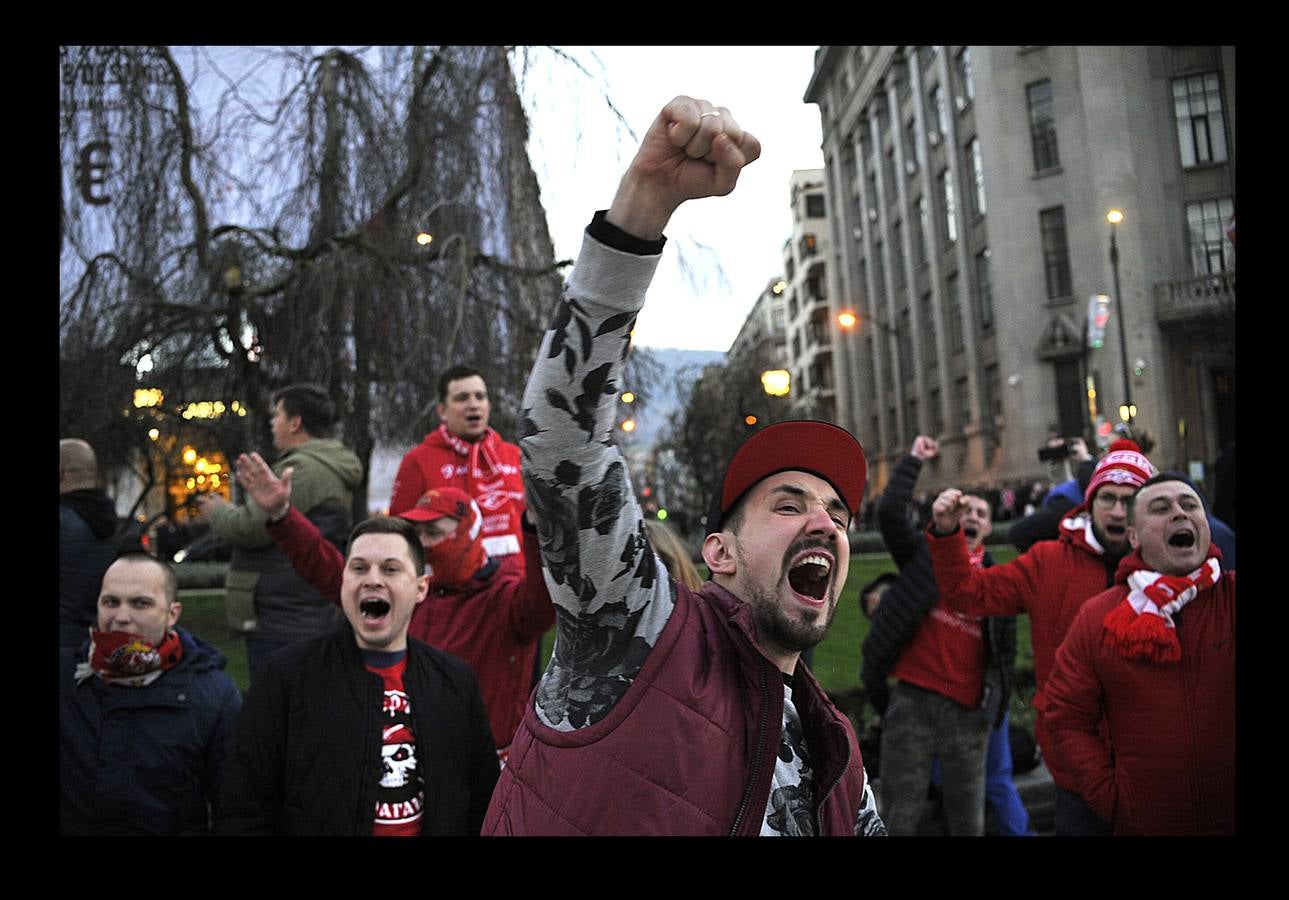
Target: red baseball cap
x=800, y=445
x=437, y=503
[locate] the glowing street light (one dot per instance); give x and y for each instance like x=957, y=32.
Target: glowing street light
x=779, y=286
x=423, y=238
x=628, y=397
x=847, y=319
x=629, y=425
x=749, y=420
x=776, y=382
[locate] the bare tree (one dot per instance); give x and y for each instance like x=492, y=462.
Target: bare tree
x=232, y=223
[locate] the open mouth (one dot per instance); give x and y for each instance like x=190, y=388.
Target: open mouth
x=970, y=531
x=373, y=608
x=1182, y=539
x=809, y=576
x=1116, y=531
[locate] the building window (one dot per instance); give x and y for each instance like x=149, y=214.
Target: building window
x=792, y=308
x=905, y=341
x=1211, y=249
x=796, y=344
x=1056, y=252
x=872, y=374
x=986, y=289
x=964, y=74
x=879, y=273
x=1201, y=129
x=941, y=114
x=911, y=420
x=913, y=153
x=815, y=289
x=963, y=397
x=993, y=395
x=897, y=254
x=777, y=322
x=929, y=356
x=808, y=245
x=1042, y=125
x=814, y=206
x=977, y=177
x=922, y=225
x=950, y=207
x=933, y=403
x=953, y=312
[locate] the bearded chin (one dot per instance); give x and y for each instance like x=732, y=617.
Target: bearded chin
x=774, y=627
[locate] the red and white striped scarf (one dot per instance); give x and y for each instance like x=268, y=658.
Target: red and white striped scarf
x=1141, y=627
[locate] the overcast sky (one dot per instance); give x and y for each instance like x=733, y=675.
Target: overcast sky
x=579, y=151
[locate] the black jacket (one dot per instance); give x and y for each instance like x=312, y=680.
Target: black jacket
x=910, y=598
x=87, y=525
x=306, y=755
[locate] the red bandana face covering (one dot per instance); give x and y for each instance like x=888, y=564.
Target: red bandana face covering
x=119, y=657
x=453, y=561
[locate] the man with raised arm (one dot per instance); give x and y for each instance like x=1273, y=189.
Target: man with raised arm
x=492, y=617
x=1050, y=581
x=666, y=710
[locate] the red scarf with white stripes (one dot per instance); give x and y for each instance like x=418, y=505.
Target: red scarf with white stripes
x=1141, y=627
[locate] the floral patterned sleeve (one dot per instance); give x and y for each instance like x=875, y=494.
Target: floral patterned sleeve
x=612, y=596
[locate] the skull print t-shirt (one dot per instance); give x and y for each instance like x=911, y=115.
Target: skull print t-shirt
x=401, y=796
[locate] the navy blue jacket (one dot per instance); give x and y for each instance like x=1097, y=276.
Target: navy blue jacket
x=144, y=760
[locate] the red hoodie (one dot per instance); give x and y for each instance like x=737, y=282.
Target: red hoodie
x=1050, y=581
x=1168, y=763
x=488, y=470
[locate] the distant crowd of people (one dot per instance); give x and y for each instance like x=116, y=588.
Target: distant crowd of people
x=394, y=687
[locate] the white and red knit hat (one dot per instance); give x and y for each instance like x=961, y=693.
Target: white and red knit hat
x=1123, y=464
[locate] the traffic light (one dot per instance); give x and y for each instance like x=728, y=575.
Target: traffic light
x=1098, y=316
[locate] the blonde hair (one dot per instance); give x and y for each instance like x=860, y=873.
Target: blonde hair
x=673, y=554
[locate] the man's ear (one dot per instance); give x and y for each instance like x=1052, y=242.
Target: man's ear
x=438, y=409
x=422, y=588
x=718, y=553
x=175, y=609
x=1133, y=539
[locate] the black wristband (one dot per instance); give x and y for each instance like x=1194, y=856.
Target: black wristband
x=611, y=235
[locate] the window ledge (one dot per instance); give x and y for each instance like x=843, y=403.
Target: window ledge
x=1059, y=301
x=1046, y=173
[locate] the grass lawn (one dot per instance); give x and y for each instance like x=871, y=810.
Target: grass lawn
x=203, y=615
x=836, y=660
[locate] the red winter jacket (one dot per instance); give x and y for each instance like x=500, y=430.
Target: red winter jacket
x=1050, y=581
x=1168, y=766
x=488, y=470
x=494, y=623
x=690, y=747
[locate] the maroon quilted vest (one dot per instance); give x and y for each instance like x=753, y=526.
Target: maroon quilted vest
x=689, y=749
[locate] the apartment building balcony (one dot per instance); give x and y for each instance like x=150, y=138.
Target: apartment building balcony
x=1195, y=297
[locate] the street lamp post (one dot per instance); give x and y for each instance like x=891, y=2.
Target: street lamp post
x=1114, y=217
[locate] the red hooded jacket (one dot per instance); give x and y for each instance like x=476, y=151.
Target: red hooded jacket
x=1168, y=765
x=1050, y=582
x=488, y=470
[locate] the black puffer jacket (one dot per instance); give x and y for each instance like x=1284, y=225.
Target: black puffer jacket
x=306, y=755
x=910, y=598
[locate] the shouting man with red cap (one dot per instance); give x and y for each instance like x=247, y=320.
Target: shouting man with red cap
x=490, y=616
x=666, y=710
x=1050, y=581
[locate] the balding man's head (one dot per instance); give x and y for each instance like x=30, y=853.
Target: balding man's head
x=77, y=466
